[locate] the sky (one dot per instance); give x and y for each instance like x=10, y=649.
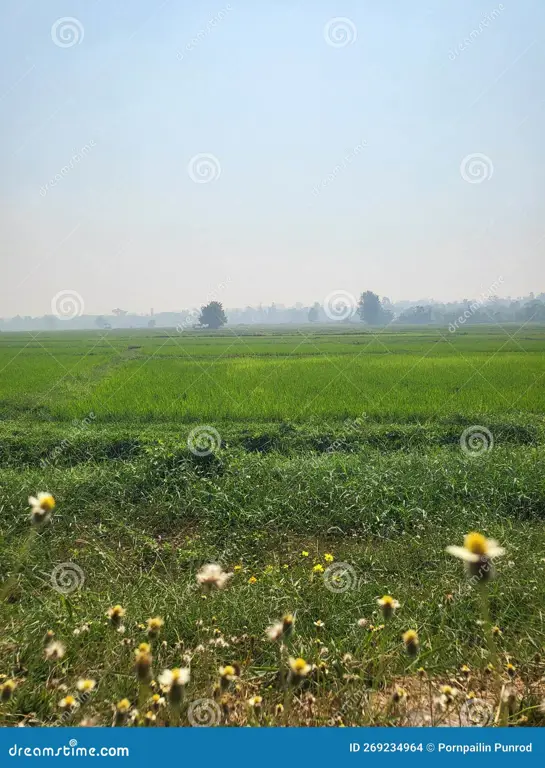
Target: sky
x=158, y=153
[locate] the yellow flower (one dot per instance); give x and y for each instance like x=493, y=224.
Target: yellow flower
x=68, y=703
x=6, y=689
x=448, y=694
x=115, y=614
x=510, y=669
x=237, y=568
x=228, y=674
x=388, y=605
x=268, y=569
x=298, y=668
x=282, y=628
x=154, y=625
x=410, y=640
x=255, y=702
x=142, y=663
x=252, y=580
x=41, y=508
x=85, y=685
x=123, y=706
x=465, y=670
x=319, y=623
x=478, y=553
x=328, y=558
x=318, y=568
x=172, y=681
x=496, y=631
x=304, y=553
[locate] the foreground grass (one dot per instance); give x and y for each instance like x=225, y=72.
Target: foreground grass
x=141, y=527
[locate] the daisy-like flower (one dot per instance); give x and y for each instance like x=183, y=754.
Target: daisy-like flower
x=155, y=625
x=213, y=575
x=173, y=681
x=448, y=694
x=6, y=689
x=465, y=670
x=68, y=704
x=85, y=685
x=304, y=553
x=496, y=631
x=149, y=718
x=142, y=663
x=228, y=674
x=156, y=702
x=299, y=669
x=252, y=580
x=411, y=643
x=511, y=670
x=318, y=568
x=319, y=623
x=115, y=615
x=54, y=651
x=281, y=629
x=328, y=557
x=121, y=712
x=388, y=606
x=255, y=702
x=478, y=553
x=41, y=507
x=279, y=709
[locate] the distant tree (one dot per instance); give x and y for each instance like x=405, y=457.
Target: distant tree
x=100, y=322
x=152, y=323
x=212, y=315
x=371, y=311
x=119, y=312
x=314, y=313
x=416, y=315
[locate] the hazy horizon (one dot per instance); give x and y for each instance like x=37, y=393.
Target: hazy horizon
x=155, y=150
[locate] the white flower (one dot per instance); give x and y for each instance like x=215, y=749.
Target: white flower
x=170, y=678
x=213, y=575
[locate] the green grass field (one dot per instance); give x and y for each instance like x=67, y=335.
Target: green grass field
x=335, y=442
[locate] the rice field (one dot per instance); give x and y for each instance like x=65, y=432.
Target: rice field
x=322, y=470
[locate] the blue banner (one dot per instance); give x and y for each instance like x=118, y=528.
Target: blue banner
x=274, y=746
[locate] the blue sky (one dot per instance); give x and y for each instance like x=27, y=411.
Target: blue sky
x=334, y=166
